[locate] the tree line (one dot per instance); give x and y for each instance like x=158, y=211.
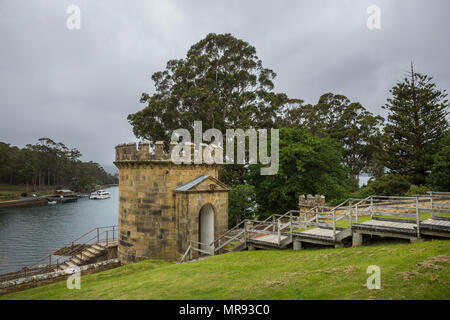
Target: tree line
x=324, y=147
x=49, y=163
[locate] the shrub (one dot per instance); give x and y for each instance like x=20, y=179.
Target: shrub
x=390, y=185
x=440, y=173
x=364, y=192
x=241, y=203
x=415, y=190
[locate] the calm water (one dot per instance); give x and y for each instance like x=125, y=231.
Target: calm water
x=28, y=234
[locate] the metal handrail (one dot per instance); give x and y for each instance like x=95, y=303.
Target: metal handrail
x=227, y=232
x=75, y=250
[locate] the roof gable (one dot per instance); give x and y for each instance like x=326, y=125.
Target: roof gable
x=202, y=183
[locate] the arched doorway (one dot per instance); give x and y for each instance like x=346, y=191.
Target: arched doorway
x=206, y=227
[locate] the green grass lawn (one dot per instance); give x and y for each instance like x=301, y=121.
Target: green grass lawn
x=408, y=271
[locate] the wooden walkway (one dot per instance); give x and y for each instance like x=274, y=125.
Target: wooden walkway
x=436, y=227
x=387, y=227
x=269, y=240
x=395, y=217
x=436, y=222
x=323, y=236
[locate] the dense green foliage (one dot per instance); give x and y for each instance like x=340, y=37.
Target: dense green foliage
x=389, y=185
x=408, y=271
x=349, y=123
x=241, y=203
x=417, y=122
x=440, y=172
x=222, y=82
x=417, y=190
x=308, y=165
x=49, y=163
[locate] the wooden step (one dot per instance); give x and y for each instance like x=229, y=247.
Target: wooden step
x=63, y=266
x=87, y=254
x=70, y=264
x=76, y=260
x=93, y=251
x=79, y=257
x=98, y=247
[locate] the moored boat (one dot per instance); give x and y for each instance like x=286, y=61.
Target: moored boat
x=62, y=196
x=99, y=194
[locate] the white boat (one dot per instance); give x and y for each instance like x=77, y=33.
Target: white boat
x=51, y=202
x=100, y=194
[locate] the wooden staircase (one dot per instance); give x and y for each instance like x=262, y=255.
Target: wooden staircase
x=83, y=250
x=88, y=254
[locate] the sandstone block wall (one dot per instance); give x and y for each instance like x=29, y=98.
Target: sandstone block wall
x=154, y=220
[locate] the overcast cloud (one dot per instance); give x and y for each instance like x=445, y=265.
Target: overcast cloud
x=78, y=86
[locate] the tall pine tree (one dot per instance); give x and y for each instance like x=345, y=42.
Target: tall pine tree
x=416, y=122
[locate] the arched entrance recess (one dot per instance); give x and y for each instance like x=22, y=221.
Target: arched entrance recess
x=206, y=227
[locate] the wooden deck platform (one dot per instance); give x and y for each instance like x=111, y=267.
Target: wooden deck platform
x=437, y=226
x=403, y=228
x=322, y=235
x=388, y=227
x=269, y=240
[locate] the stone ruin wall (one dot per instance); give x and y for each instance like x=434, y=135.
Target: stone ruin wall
x=306, y=202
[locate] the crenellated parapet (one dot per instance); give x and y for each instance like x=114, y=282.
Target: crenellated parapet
x=141, y=152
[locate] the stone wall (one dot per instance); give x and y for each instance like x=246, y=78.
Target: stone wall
x=56, y=276
x=306, y=202
x=188, y=209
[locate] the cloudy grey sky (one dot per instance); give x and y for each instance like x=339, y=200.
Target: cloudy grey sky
x=78, y=86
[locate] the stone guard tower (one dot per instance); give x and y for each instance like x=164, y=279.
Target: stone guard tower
x=163, y=206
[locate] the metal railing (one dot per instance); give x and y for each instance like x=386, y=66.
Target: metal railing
x=100, y=235
x=351, y=209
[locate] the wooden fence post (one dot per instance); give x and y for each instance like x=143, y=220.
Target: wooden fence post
x=290, y=220
x=356, y=213
x=279, y=232
x=306, y=221
x=371, y=207
x=351, y=212
x=431, y=206
x=417, y=217
x=317, y=216
x=334, y=224
x=245, y=233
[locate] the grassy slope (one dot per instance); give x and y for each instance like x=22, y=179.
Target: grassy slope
x=408, y=271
